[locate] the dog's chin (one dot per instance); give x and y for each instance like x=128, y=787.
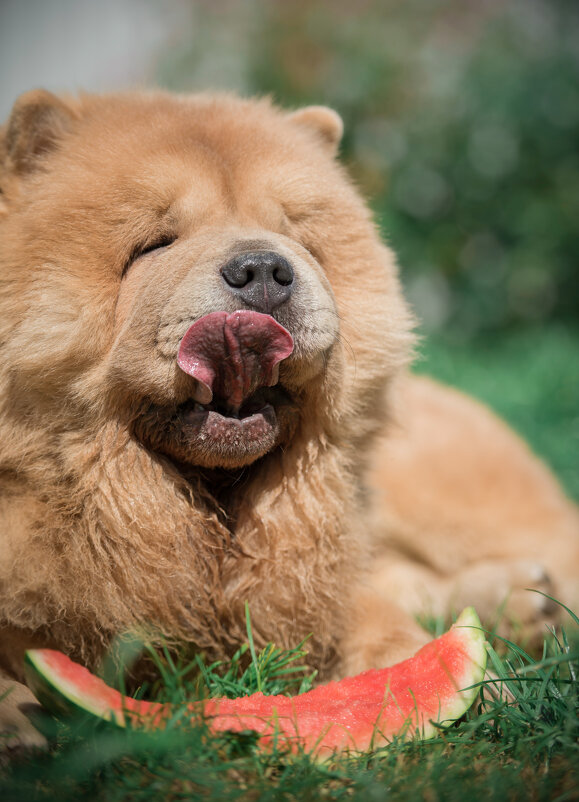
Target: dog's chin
x=213, y=436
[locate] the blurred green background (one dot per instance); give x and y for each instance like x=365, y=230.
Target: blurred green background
x=462, y=129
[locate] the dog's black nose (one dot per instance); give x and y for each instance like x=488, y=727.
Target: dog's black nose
x=262, y=279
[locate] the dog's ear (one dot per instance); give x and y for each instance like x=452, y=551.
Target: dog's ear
x=325, y=122
x=38, y=122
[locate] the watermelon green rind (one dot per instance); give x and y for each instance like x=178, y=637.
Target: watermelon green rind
x=65, y=697
x=68, y=689
x=435, y=686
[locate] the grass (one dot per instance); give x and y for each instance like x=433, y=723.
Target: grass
x=525, y=746
x=271, y=671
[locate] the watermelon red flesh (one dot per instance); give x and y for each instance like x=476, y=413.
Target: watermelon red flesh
x=355, y=713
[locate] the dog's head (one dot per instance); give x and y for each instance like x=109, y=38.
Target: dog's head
x=198, y=267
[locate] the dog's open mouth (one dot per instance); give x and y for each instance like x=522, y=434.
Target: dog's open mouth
x=221, y=428
x=238, y=411
x=231, y=356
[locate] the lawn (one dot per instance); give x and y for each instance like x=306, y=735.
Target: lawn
x=522, y=750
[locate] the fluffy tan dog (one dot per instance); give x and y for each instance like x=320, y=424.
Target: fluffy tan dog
x=203, y=402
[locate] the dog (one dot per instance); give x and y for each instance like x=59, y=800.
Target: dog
x=205, y=401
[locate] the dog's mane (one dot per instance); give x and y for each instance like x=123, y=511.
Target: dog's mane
x=144, y=546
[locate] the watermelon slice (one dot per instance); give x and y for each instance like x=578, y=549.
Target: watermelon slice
x=357, y=713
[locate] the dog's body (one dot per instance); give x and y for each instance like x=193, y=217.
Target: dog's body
x=149, y=244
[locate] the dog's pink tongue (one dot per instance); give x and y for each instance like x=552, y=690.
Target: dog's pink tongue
x=231, y=356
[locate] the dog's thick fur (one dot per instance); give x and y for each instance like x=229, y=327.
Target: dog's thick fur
x=376, y=497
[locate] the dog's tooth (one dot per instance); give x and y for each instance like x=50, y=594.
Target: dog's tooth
x=202, y=393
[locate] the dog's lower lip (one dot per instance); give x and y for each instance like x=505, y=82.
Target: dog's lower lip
x=215, y=434
x=210, y=426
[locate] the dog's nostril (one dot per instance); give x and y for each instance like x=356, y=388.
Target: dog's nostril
x=283, y=276
x=236, y=275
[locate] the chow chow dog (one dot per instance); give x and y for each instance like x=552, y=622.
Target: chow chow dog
x=205, y=402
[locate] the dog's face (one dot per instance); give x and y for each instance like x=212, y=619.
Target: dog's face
x=198, y=268
x=224, y=241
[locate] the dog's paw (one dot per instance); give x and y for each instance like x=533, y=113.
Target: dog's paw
x=510, y=597
x=19, y=715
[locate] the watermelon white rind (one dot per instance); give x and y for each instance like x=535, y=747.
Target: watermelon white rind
x=469, y=681
x=436, y=686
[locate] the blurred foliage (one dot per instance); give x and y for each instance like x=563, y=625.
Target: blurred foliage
x=462, y=126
